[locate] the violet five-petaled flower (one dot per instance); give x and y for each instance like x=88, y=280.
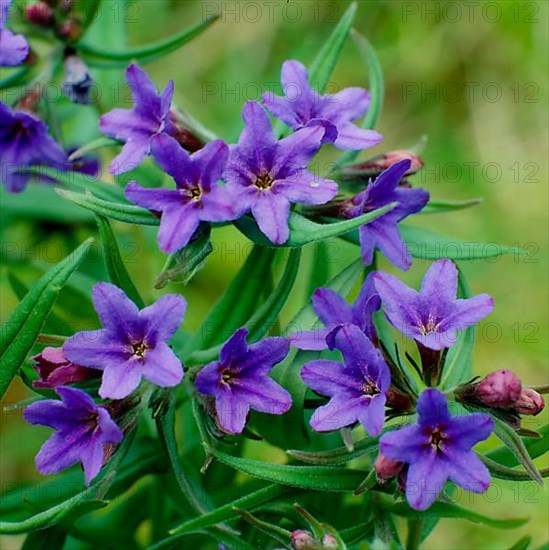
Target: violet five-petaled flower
x=132, y=344
x=82, y=431
x=433, y=316
x=438, y=448
x=265, y=175
x=198, y=197
x=149, y=117
x=240, y=381
x=24, y=141
x=383, y=233
x=14, y=48
x=357, y=389
x=302, y=106
x=334, y=311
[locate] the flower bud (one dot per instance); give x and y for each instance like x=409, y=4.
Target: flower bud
x=54, y=369
x=375, y=166
x=386, y=468
x=329, y=542
x=500, y=388
x=78, y=82
x=530, y=402
x=303, y=540
x=40, y=14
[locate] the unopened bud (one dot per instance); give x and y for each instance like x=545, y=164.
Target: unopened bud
x=500, y=388
x=303, y=540
x=530, y=402
x=329, y=542
x=40, y=14
x=78, y=82
x=70, y=31
x=375, y=166
x=54, y=369
x=386, y=468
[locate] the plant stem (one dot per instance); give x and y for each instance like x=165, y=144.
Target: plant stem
x=415, y=527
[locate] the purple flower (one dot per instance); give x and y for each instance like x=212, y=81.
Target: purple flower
x=239, y=381
x=54, y=369
x=334, y=311
x=149, y=117
x=383, y=232
x=301, y=106
x=438, y=448
x=197, y=198
x=357, y=389
x=265, y=175
x=14, y=48
x=132, y=343
x=433, y=315
x=24, y=141
x=82, y=430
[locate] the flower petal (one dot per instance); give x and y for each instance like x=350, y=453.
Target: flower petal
x=14, y=48
x=264, y=395
x=439, y=286
x=95, y=349
x=263, y=355
x=336, y=414
x=425, y=480
x=405, y=445
x=153, y=199
x=116, y=311
x=231, y=412
x=174, y=160
x=351, y=137
x=208, y=378
x=331, y=308
x=432, y=407
x=92, y=459
x=385, y=235
x=373, y=415
x=310, y=339
x=306, y=188
x=211, y=159
x=134, y=151
x=219, y=205
x=467, y=471
x=162, y=367
x=177, y=226
x=467, y=430
x=282, y=108
x=469, y=312
x=345, y=106
x=271, y=213
x=235, y=348
x=163, y=318
x=144, y=92
x=120, y=380
x=297, y=90
x=329, y=378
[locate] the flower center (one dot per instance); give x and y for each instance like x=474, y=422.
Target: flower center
x=436, y=438
x=264, y=181
x=195, y=193
x=369, y=388
x=139, y=349
x=431, y=326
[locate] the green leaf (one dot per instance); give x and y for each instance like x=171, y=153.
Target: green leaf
x=313, y=478
x=441, y=206
x=447, y=510
x=184, y=264
x=325, y=61
x=280, y=535
x=80, y=182
x=20, y=331
x=522, y=544
x=92, y=146
x=147, y=54
x=46, y=539
x=515, y=444
x=265, y=316
x=504, y=472
x=117, y=211
x=428, y=245
x=534, y=447
x=376, y=88
x=457, y=365
x=116, y=269
x=304, y=231
x=227, y=511
x=238, y=303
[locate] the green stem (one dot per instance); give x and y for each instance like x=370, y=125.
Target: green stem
x=415, y=528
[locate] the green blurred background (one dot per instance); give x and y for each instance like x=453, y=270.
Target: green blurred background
x=471, y=76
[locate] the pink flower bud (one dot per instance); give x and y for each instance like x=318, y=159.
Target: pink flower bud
x=54, y=369
x=329, y=542
x=386, y=468
x=40, y=14
x=500, y=388
x=530, y=402
x=303, y=540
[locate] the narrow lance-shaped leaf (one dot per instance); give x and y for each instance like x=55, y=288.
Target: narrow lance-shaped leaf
x=504, y=472
x=116, y=269
x=22, y=328
x=304, y=231
x=534, y=446
x=442, y=206
x=376, y=88
x=117, y=211
x=147, y=54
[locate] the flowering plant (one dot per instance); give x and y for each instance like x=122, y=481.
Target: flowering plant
x=362, y=412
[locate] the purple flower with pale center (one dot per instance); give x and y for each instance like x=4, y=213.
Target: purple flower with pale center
x=239, y=381
x=433, y=315
x=266, y=176
x=82, y=431
x=132, y=344
x=301, y=106
x=149, y=117
x=197, y=198
x=357, y=389
x=14, y=48
x=334, y=311
x=54, y=369
x=438, y=448
x=383, y=233
x=24, y=141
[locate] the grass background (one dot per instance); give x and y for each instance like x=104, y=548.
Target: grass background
x=472, y=78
